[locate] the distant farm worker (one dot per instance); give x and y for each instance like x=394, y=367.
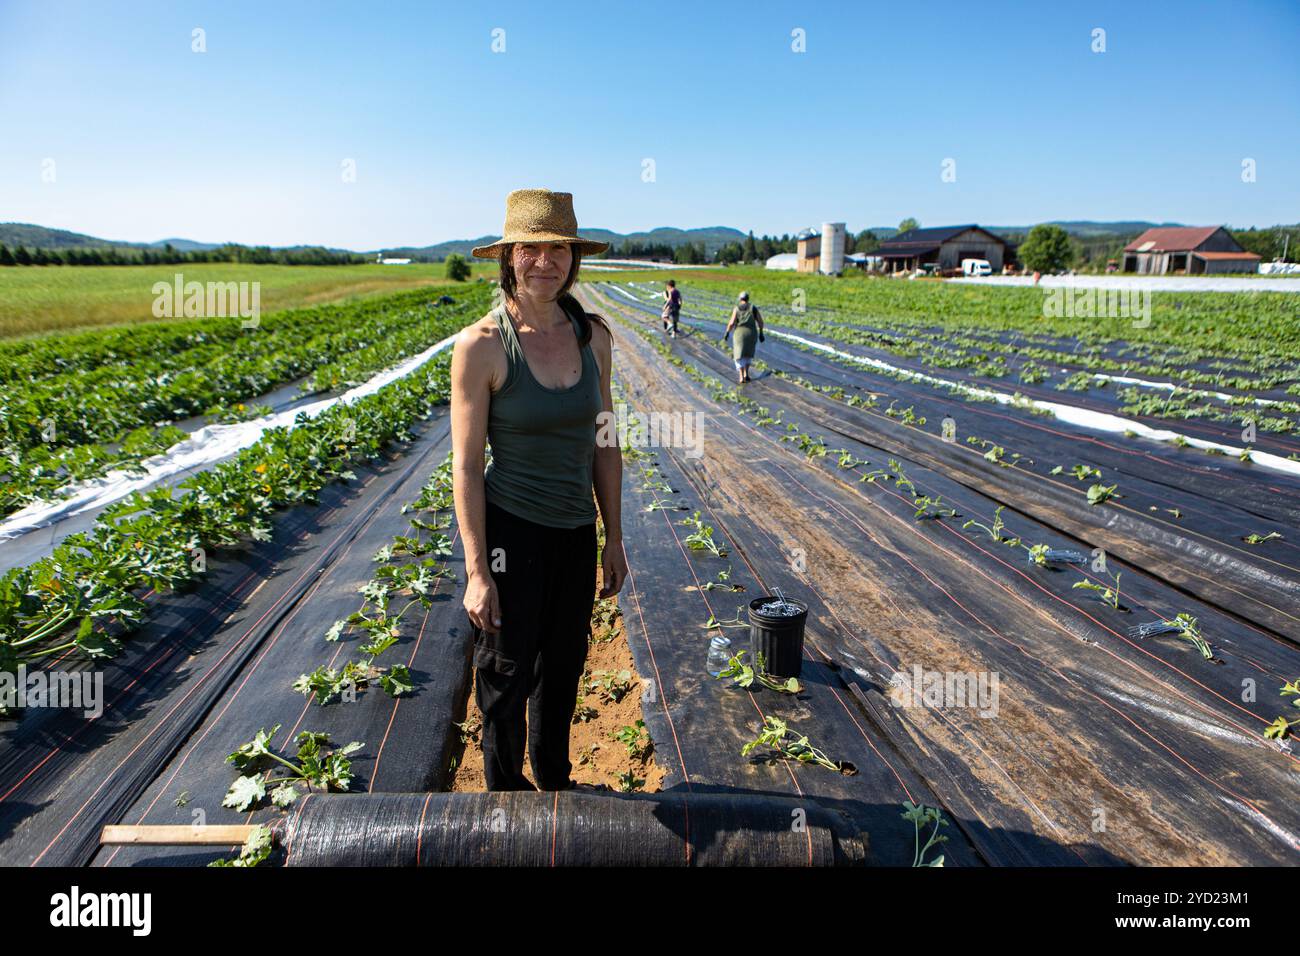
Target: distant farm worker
x=531, y=377
x=672, y=307
x=749, y=332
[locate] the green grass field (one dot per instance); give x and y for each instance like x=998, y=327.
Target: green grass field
x=43, y=299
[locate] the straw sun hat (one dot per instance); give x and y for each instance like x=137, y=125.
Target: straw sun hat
x=539, y=215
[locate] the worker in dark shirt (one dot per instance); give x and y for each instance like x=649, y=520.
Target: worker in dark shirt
x=672, y=307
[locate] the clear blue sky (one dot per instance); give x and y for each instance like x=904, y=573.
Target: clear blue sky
x=245, y=142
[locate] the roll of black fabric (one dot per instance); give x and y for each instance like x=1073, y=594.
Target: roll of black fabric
x=569, y=828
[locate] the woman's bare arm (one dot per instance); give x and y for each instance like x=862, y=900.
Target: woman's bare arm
x=607, y=474
x=472, y=375
x=731, y=324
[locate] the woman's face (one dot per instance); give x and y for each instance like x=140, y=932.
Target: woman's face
x=541, y=268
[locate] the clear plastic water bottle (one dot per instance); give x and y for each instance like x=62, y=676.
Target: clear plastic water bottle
x=719, y=655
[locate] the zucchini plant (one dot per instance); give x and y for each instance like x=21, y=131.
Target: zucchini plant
x=777, y=735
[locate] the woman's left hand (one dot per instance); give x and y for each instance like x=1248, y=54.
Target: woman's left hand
x=613, y=568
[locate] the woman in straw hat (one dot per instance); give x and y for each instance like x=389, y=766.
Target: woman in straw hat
x=749, y=332
x=531, y=378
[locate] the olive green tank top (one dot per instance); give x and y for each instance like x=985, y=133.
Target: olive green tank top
x=543, y=440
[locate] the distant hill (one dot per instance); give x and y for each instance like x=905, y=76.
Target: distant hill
x=713, y=237
x=13, y=234
x=1085, y=229
x=39, y=237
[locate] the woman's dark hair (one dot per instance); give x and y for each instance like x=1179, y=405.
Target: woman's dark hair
x=672, y=283
x=509, y=283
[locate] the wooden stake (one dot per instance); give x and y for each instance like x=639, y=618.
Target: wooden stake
x=175, y=835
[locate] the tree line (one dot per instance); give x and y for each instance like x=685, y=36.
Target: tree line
x=168, y=255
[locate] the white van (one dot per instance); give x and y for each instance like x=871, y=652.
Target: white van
x=976, y=267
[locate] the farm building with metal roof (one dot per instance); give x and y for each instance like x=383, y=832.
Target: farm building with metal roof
x=1192, y=250
x=943, y=247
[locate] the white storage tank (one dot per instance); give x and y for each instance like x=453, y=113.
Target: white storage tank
x=832, y=248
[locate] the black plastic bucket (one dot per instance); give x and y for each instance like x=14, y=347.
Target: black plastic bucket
x=779, y=639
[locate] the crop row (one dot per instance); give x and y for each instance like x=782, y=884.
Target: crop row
x=84, y=597
x=77, y=425
x=1033, y=365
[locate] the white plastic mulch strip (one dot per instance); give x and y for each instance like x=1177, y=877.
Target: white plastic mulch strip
x=203, y=449
x=1171, y=387
x=1071, y=414
x=1219, y=283
x=624, y=293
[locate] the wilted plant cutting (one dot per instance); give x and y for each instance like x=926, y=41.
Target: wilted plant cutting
x=922, y=816
x=901, y=480
x=701, y=539
x=1261, y=539
x=777, y=735
x=743, y=675
x=723, y=583
x=1108, y=594
x=1081, y=472
x=1190, y=630
x=927, y=507
x=733, y=621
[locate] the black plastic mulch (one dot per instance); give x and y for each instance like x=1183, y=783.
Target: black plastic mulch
x=1166, y=738
x=1184, y=511
x=215, y=664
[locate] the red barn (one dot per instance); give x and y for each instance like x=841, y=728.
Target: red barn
x=1192, y=250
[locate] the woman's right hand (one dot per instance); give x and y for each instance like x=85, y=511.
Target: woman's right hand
x=481, y=603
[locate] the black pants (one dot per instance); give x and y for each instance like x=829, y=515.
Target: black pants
x=545, y=579
x=672, y=316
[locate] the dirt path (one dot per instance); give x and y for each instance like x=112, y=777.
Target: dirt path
x=599, y=759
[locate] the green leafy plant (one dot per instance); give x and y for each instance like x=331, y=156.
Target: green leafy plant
x=1097, y=493
x=1080, y=472
x=901, y=480
x=1281, y=728
x=1191, y=631
x=1038, y=554
x=927, y=507
x=628, y=782
x=777, y=735
x=255, y=851
x=610, y=686
x=1108, y=594
x=1261, y=539
x=635, y=739
x=317, y=767
x=743, y=675
x=722, y=583
x=733, y=621
x=921, y=817
x=701, y=539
